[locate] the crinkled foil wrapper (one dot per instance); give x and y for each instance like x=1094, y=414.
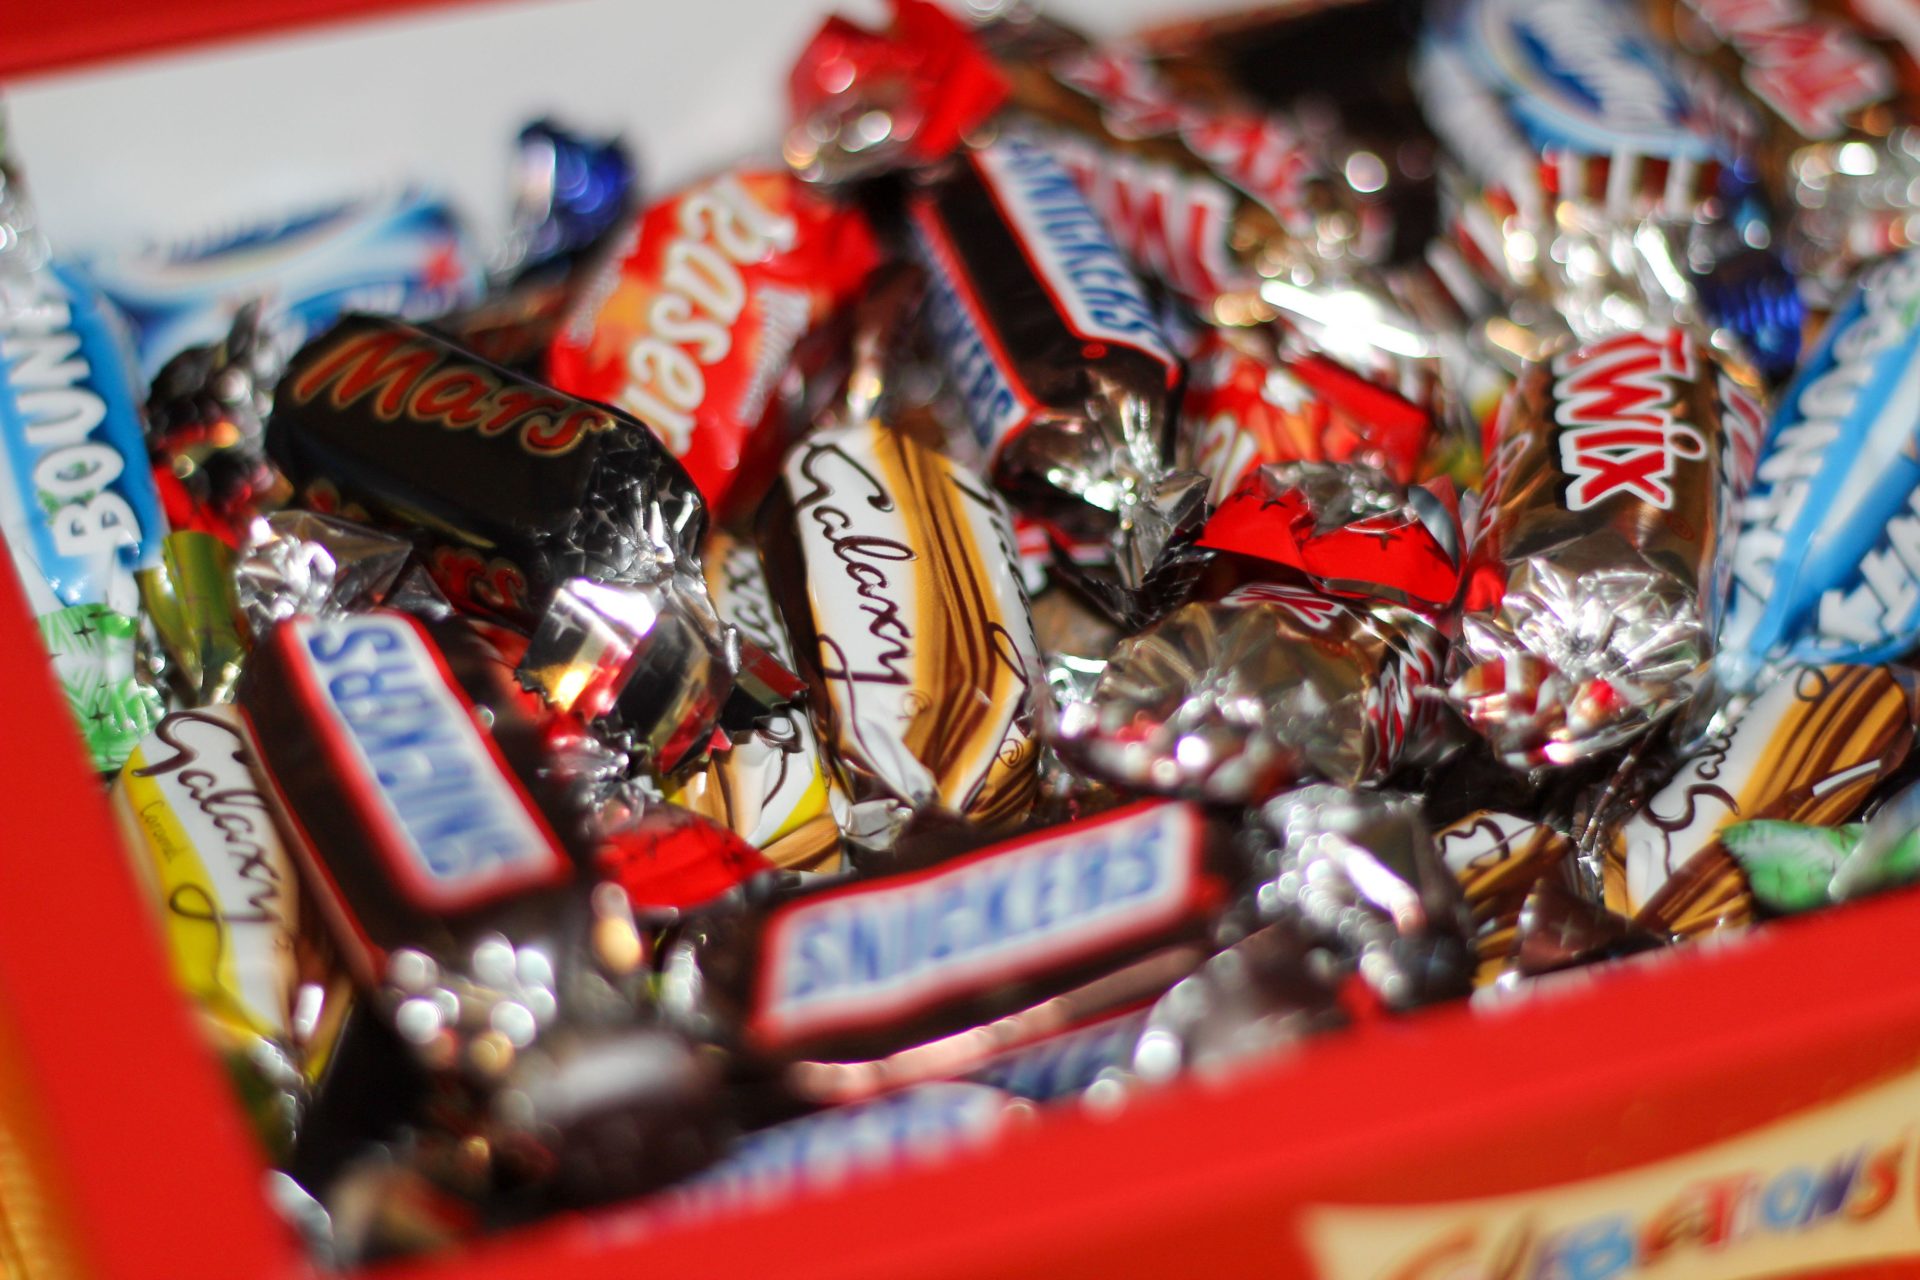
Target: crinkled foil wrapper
x=1231, y=700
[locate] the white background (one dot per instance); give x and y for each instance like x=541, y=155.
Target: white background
x=184, y=144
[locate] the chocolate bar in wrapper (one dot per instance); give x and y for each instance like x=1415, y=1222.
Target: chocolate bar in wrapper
x=848, y=983
x=774, y=787
x=1231, y=700
x=1577, y=130
x=1601, y=555
x=1811, y=749
x=1498, y=859
x=1826, y=558
x=1065, y=373
x=896, y=573
x=458, y=877
x=518, y=487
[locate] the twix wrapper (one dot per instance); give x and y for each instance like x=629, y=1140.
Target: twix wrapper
x=1811, y=749
x=896, y=573
x=1600, y=557
x=773, y=787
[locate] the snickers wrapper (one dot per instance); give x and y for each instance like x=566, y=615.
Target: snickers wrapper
x=897, y=577
x=1064, y=372
x=1601, y=554
x=444, y=862
x=851, y=973
x=1811, y=750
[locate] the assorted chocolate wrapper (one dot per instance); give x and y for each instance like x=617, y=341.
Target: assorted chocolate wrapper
x=1600, y=556
x=898, y=580
x=1110, y=560
x=1824, y=556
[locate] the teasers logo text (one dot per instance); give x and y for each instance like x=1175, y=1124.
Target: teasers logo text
x=1614, y=403
x=412, y=378
x=693, y=317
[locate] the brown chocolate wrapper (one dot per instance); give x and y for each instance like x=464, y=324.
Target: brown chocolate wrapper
x=1230, y=701
x=887, y=968
x=897, y=579
x=1499, y=858
x=1598, y=562
x=1811, y=749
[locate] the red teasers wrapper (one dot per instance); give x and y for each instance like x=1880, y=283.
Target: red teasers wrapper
x=696, y=324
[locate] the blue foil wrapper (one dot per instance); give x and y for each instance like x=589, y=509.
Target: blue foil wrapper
x=569, y=191
x=78, y=509
x=1826, y=559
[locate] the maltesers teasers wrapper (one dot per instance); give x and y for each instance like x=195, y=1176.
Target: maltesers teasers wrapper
x=1247, y=406
x=1601, y=550
x=773, y=787
x=1231, y=700
x=1810, y=749
x=694, y=327
x=900, y=586
x=1066, y=375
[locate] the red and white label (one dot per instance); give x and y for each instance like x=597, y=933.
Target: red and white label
x=1614, y=403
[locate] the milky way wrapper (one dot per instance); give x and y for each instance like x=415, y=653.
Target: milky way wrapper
x=1811, y=749
x=1231, y=700
x=938, y=961
x=896, y=574
x=1062, y=367
x=1826, y=557
x=1601, y=551
x=1498, y=858
x=773, y=787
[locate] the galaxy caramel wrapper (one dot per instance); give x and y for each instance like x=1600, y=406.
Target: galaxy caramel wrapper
x=773, y=787
x=1499, y=858
x=896, y=574
x=1810, y=749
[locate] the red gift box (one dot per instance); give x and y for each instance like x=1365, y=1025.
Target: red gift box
x=1741, y=1109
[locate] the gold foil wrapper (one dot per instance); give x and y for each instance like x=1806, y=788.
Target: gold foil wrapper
x=1810, y=749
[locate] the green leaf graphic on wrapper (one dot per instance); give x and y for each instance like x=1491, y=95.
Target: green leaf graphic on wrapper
x=93, y=654
x=1790, y=866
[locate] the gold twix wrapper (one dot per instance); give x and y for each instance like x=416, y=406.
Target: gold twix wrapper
x=897, y=574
